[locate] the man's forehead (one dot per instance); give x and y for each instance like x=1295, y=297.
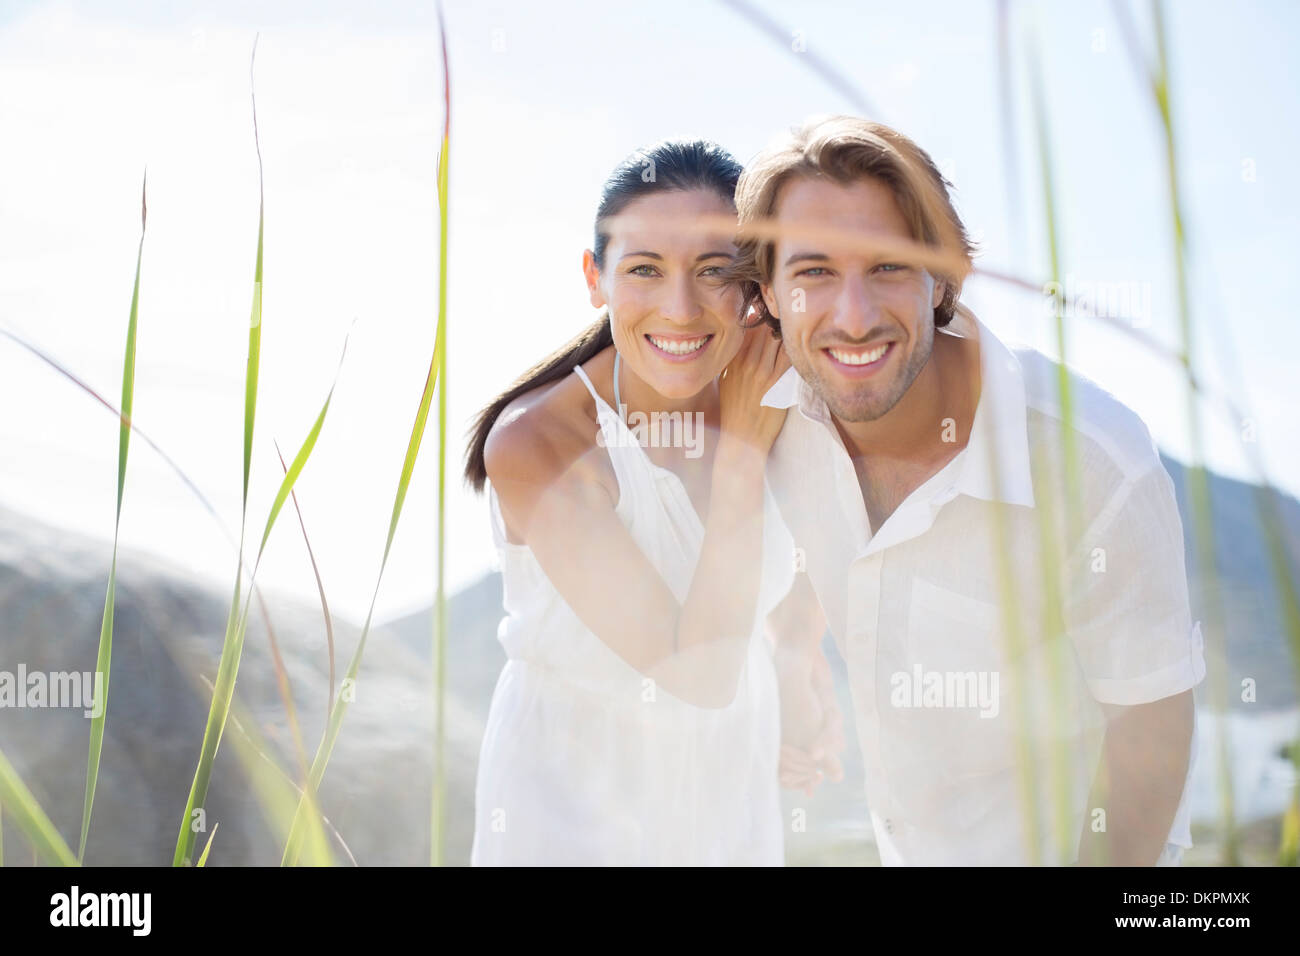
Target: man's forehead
x=807, y=197
x=826, y=215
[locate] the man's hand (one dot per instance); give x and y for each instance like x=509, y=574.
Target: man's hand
x=812, y=727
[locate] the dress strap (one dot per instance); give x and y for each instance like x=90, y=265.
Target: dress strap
x=591, y=388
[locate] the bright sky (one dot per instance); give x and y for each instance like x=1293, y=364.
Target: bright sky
x=547, y=98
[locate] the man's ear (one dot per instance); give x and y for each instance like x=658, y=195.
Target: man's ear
x=592, y=273
x=940, y=290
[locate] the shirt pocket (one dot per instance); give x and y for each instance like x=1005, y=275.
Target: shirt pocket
x=959, y=726
x=953, y=632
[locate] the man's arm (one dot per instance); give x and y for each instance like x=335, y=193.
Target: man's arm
x=1139, y=782
x=1131, y=626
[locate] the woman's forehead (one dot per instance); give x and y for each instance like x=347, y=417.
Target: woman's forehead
x=674, y=221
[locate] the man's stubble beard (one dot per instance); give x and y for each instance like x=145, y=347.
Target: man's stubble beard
x=873, y=406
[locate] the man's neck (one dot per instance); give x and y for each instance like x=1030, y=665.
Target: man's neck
x=925, y=430
x=914, y=429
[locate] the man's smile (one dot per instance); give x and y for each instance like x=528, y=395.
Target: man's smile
x=858, y=361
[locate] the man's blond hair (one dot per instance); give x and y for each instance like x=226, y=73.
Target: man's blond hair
x=845, y=149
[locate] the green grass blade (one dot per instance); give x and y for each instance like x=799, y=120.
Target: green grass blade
x=439, y=655
x=30, y=818
x=207, y=847
x=1051, y=549
x=320, y=588
x=232, y=642
x=106, y=626
x=295, y=469
x=1198, y=484
x=292, y=847
x=255, y=317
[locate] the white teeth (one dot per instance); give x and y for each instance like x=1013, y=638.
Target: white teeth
x=858, y=358
x=678, y=346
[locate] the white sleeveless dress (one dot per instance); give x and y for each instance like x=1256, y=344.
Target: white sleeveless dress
x=584, y=760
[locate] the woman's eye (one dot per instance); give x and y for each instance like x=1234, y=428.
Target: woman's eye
x=712, y=271
x=814, y=271
x=636, y=270
x=891, y=267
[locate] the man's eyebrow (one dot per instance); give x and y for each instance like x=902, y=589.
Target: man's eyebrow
x=808, y=257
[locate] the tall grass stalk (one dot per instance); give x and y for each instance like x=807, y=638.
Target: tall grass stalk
x=1014, y=638
x=237, y=621
x=439, y=656
x=1051, y=550
x=232, y=643
x=105, y=657
x=1198, y=485
x=437, y=363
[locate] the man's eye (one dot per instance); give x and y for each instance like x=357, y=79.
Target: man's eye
x=891, y=267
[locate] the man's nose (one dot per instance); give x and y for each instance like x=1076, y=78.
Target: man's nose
x=856, y=311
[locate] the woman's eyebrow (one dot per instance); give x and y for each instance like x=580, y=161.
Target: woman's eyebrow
x=654, y=255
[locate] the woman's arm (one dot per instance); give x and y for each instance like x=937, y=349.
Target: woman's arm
x=812, y=727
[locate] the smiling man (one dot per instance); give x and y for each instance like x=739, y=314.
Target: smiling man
x=966, y=531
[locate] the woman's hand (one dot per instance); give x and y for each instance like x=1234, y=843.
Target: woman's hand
x=758, y=365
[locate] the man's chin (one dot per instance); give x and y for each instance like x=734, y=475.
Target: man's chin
x=854, y=405
x=856, y=413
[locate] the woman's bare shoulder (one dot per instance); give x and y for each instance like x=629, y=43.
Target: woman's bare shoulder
x=545, y=434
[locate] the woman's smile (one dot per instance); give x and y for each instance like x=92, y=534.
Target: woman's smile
x=679, y=348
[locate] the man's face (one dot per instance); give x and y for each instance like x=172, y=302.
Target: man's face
x=858, y=327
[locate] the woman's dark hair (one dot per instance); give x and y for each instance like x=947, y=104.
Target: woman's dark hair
x=673, y=165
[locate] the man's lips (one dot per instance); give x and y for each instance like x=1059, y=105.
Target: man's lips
x=858, y=360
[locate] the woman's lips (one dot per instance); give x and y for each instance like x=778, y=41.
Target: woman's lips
x=679, y=348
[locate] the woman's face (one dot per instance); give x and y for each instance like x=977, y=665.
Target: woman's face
x=675, y=323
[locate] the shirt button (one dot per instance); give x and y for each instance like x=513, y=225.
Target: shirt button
x=889, y=825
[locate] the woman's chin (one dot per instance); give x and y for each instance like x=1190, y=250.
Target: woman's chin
x=683, y=386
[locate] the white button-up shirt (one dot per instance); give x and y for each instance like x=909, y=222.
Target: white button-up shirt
x=980, y=734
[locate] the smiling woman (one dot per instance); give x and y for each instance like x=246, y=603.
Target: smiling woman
x=636, y=720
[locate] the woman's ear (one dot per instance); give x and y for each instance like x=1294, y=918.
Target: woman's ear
x=592, y=273
x=769, y=300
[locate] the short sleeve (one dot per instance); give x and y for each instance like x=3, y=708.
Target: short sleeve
x=1127, y=606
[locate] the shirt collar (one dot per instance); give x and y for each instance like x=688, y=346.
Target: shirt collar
x=995, y=463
